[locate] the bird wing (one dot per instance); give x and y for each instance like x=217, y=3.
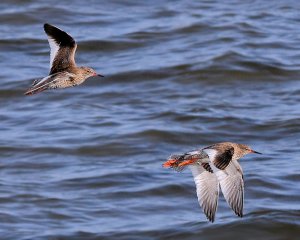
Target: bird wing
x=222, y=160
x=63, y=48
x=207, y=186
x=232, y=185
x=51, y=81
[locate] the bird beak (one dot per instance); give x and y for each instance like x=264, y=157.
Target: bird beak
x=100, y=75
x=252, y=151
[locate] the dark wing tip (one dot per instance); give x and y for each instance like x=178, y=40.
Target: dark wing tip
x=210, y=216
x=211, y=219
x=210, y=212
x=239, y=213
x=48, y=28
x=61, y=37
x=46, y=25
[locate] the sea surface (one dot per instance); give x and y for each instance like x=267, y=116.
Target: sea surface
x=86, y=162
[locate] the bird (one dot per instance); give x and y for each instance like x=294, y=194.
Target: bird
x=63, y=69
x=213, y=167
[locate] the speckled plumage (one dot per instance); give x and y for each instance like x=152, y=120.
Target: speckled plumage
x=63, y=70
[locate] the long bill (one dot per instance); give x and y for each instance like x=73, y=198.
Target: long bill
x=252, y=151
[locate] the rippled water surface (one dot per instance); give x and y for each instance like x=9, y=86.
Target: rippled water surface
x=85, y=162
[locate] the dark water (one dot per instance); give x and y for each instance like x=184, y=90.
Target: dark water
x=85, y=162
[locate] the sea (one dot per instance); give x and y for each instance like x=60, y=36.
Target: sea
x=86, y=162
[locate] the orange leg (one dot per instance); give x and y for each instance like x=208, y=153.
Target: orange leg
x=169, y=163
x=186, y=162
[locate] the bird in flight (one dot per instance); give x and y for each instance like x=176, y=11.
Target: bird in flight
x=63, y=70
x=213, y=167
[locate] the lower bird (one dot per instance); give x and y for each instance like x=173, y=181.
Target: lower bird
x=214, y=166
x=63, y=70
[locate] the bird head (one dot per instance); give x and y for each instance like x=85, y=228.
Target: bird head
x=89, y=72
x=245, y=149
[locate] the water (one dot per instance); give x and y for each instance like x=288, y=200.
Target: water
x=85, y=162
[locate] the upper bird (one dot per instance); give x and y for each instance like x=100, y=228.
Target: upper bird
x=63, y=70
x=214, y=166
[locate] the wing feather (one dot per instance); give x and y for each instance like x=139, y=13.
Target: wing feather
x=57, y=80
x=63, y=47
x=232, y=186
x=231, y=181
x=207, y=190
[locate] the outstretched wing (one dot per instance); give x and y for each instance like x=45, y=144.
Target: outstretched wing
x=63, y=48
x=230, y=176
x=232, y=185
x=206, y=181
x=207, y=190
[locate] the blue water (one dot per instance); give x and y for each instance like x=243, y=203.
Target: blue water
x=85, y=162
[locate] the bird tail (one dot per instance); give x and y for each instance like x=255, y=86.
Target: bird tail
x=179, y=161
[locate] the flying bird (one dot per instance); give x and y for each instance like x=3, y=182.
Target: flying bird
x=213, y=167
x=63, y=70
